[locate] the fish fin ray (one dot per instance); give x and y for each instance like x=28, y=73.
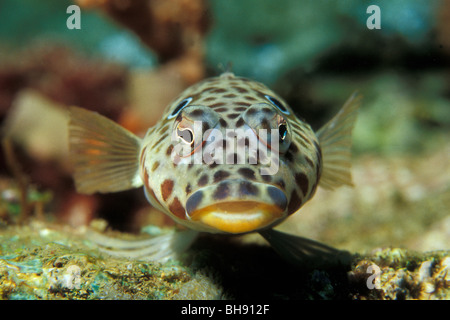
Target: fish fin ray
x=158, y=248
x=335, y=139
x=305, y=252
x=105, y=156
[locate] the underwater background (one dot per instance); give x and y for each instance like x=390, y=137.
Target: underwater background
x=129, y=59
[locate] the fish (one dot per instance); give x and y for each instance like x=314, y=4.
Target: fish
x=228, y=156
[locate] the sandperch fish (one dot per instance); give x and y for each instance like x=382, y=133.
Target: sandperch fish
x=228, y=156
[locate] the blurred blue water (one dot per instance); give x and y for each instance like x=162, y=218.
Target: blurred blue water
x=260, y=38
x=24, y=22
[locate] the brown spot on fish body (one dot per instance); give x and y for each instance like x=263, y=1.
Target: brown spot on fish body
x=240, y=123
x=169, y=150
x=218, y=90
x=266, y=178
x=246, y=188
x=293, y=147
x=265, y=124
x=259, y=93
x=233, y=115
x=218, y=104
x=197, y=113
x=243, y=104
x=164, y=136
x=155, y=166
x=221, y=109
x=305, y=139
x=222, y=191
x=240, y=89
x=289, y=156
x=223, y=123
x=203, y=180
x=163, y=129
x=166, y=189
x=177, y=209
x=310, y=162
x=220, y=175
x=247, y=173
x=302, y=181
x=230, y=95
x=295, y=202
x=251, y=111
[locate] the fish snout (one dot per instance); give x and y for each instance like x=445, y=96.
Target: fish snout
x=237, y=206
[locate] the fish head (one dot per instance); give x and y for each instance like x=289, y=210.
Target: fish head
x=230, y=156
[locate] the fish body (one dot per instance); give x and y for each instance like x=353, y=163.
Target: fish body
x=228, y=156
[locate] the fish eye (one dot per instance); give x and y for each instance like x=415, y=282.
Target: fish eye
x=186, y=135
x=183, y=103
x=282, y=130
x=277, y=104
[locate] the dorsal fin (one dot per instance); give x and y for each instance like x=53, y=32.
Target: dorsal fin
x=335, y=140
x=105, y=155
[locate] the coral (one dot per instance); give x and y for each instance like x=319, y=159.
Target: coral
x=403, y=275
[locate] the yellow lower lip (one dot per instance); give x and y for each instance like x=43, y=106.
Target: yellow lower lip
x=238, y=217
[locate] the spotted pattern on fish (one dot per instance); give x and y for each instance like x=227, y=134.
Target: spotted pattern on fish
x=227, y=102
x=247, y=161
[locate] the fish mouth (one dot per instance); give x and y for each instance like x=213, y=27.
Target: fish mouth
x=240, y=211
x=238, y=217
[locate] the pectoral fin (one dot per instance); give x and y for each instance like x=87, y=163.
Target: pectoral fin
x=105, y=155
x=305, y=252
x=335, y=140
x=159, y=248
